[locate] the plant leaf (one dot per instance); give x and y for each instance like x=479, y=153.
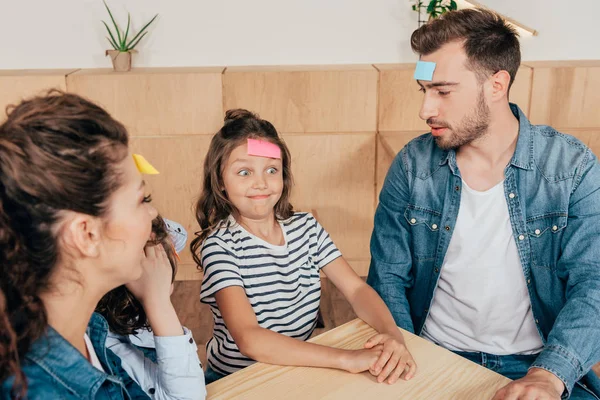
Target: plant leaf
x=135, y=44
x=113, y=21
x=129, y=47
x=112, y=41
x=431, y=7
x=124, y=42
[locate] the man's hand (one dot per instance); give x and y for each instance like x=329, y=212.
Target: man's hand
x=538, y=384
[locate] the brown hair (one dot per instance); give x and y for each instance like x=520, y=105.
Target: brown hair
x=490, y=43
x=53, y=148
x=213, y=206
x=123, y=312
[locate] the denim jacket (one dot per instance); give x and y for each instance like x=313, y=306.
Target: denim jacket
x=552, y=187
x=56, y=370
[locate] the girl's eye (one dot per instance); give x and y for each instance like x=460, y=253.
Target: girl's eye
x=243, y=172
x=272, y=171
x=422, y=90
x=443, y=93
x=147, y=199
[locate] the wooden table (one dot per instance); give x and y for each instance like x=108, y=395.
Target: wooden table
x=441, y=375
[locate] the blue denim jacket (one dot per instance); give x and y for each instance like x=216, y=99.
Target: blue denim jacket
x=552, y=187
x=56, y=370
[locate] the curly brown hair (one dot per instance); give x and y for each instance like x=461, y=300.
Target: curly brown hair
x=213, y=206
x=53, y=148
x=123, y=312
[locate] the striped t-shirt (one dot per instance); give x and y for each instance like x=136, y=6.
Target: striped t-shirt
x=282, y=283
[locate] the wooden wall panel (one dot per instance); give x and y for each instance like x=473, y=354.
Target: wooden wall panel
x=334, y=175
x=566, y=96
x=400, y=100
x=302, y=99
x=179, y=159
x=16, y=85
x=520, y=92
x=157, y=101
x=389, y=145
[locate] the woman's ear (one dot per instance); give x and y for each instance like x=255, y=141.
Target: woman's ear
x=81, y=235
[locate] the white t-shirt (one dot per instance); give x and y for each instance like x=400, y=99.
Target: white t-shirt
x=93, y=357
x=481, y=302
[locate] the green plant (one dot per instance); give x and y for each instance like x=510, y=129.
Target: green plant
x=120, y=43
x=435, y=8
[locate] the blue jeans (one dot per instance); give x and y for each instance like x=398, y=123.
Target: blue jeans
x=515, y=367
x=210, y=375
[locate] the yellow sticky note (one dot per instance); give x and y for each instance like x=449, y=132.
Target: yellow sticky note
x=143, y=165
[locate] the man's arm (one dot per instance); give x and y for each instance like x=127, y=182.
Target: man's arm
x=390, y=273
x=572, y=346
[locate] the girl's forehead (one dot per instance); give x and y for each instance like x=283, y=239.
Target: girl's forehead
x=241, y=153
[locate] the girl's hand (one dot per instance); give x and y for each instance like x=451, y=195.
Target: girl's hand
x=154, y=286
x=357, y=361
x=395, y=360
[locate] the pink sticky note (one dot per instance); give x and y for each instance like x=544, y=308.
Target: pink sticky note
x=263, y=149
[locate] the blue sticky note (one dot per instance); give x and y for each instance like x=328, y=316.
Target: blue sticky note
x=424, y=70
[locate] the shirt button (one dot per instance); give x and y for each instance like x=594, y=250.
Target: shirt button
x=537, y=321
x=521, y=237
x=434, y=227
x=191, y=340
x=457, y=188
x=437, y=270
x=413, y=221
x=555, y=228
x=528, y=280
x=511, y=195
x=151, y=390
x=447, y=228
x=537, y=231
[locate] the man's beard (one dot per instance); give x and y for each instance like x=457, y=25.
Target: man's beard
x=471, y=127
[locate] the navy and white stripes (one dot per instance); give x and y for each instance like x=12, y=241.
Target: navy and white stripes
x=282, y=283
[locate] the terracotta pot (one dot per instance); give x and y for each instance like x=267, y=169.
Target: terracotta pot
x=121, y=60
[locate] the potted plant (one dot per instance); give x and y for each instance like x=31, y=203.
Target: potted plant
x=434, y=8
x=123, y=47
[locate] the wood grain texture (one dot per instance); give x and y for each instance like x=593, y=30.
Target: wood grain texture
x=161, y=101
x=16, y=85
x=334, y=174
x=566, y=97
x=442, y=375
x=306, y=100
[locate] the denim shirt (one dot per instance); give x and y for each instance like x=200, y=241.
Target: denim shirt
x=57, y=370
x=552, y=187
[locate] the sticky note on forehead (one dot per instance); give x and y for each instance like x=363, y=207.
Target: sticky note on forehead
x=143, y=165
x=263, y=148
x=424, y=70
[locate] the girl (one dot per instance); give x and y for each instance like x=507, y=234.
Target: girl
x=261, y=264
x=145, y=331
x=73, y=225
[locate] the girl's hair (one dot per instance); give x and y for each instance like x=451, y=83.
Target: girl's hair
x=213, y=206
x=123, y=312
x=58, y=152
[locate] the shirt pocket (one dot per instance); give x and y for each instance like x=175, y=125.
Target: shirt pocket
x=545, y=234
x=425, y=227
x=308, y=275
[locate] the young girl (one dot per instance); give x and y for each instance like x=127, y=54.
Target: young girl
x=145, y=332
x=73, y=225
x=261, y=264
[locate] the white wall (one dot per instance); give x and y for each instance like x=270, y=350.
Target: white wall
x=68, y=33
